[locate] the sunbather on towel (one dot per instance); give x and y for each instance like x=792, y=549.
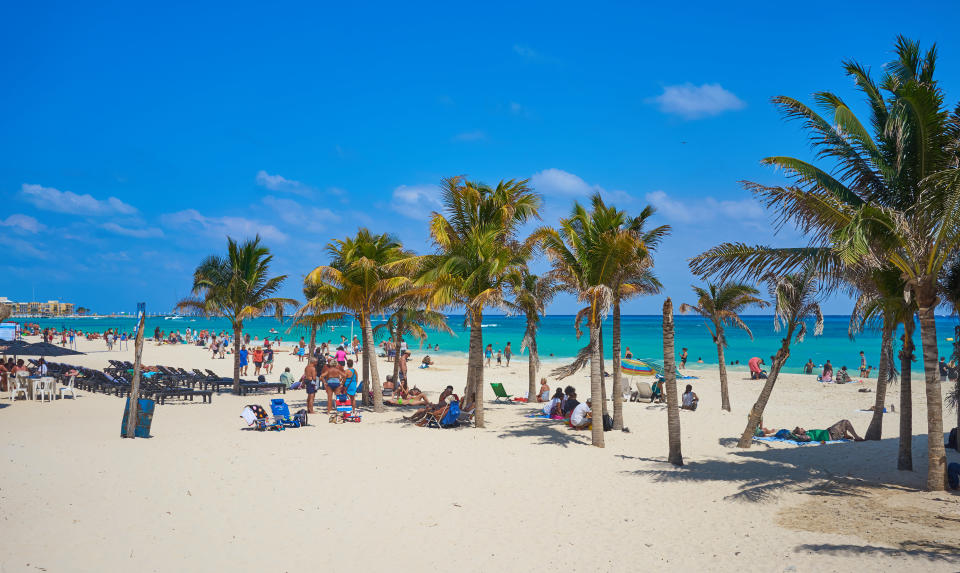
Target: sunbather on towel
x=414, y=398
x=842, y=430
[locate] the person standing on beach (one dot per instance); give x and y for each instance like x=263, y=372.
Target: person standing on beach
x=863, y=364
x=507, y=353
x=243, y=360
x=309, y=380
x=268, y=359
x=488, y=352
x=683, y=358
x=257, y=360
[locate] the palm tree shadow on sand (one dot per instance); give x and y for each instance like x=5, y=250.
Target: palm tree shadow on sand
x=548, y=432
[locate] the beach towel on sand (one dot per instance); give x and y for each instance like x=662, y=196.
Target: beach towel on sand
x=796, y=443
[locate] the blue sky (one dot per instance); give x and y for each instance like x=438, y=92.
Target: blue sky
x=135, y=136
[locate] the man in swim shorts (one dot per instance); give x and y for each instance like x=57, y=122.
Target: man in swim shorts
x=310, y=383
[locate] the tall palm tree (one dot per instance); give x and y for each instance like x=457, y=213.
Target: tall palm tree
x=361, y=281
x=476, y=249
x=238, y=287
x=675, y=456
x=314, y=313
x=893, y=199
x=529, y=295
x=795, y=302
x=404, y=321
x=720, y=304
x=586, y=252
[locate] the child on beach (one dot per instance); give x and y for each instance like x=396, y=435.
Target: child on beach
x=499, y=358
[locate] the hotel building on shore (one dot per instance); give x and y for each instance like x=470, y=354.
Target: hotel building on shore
x=49, y=308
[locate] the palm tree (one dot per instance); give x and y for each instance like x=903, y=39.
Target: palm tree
x=313, y=314
x=675, y=457
x=361, y=282
x=881, y=301
x=720, y=304
x=530, y=295
x=476, y=250
x=410, y=321
x=892, y=201
x=794, y=297
x=238, y=287
x=905, y=449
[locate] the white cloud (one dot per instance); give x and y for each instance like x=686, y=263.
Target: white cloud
x=23, y=222
x=143, y=233
x=692, y=102
x=525, y=52
x=702, y=209
x=50, y=199
x=221, y=227
x=303, y=218
x=557, y=182
x=416, y=201
x=475, y=135
x=282, y=184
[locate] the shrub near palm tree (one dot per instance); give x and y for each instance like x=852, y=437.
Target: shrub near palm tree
x=361, y=282
x=795, y=302
x=237, y=287
x=530, y=295
x=721, y=304
x=476, y=250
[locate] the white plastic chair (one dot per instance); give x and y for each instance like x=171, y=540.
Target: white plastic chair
x=68, y=387
x=18, y=385
x=45, y=387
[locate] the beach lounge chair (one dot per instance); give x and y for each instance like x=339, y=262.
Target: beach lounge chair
x=500, y=393
x=449, y=417
x=644, y=393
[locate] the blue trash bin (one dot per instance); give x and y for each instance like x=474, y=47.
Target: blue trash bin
x=144, y=418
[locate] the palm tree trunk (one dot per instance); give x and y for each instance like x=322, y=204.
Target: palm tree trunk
x=875, y=430
x=475, y=366
x=617, y=375
x=936, y=453
x=675, y=456
x=603, y=379
x=531, y=339
x=365, y=358
x=237, y=333
x=596, y=376
x=313, y=338
x=905, y=453
x=756, y=413
x=397, y=335
x=724, y=389
x=370, y=354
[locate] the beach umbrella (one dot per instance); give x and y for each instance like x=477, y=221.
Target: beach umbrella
x=633, y=367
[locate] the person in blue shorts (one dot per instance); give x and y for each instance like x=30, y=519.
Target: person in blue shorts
x=243, y=360
x=333, y=376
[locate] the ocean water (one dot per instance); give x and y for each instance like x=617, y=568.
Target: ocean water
x=557, y=338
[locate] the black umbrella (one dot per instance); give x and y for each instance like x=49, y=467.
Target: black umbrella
x=24, y=348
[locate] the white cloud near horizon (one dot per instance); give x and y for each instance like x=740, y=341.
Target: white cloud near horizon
x=22, y=222
x=144, y=233
x=416, y=201
x=702, y=209
x=220, y=227
x=281, y=184
x=693, y=102
x=51, y=199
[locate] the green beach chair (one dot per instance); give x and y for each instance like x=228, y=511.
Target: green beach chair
x=500, y=392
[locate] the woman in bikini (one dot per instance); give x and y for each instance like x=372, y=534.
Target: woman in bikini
x=333, y=376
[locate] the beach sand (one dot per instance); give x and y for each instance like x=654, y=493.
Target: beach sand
x=206, y=494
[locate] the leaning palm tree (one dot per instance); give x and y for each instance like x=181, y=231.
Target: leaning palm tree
x=238, y=287
x=360, y=281
x=720, y=304
x=892, y=200
x=404, y=321
x=529, y=295
x=675, y=456
x=881, y=304
x=476, y=250
x=795, y=302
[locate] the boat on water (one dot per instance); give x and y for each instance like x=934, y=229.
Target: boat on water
x=173, y=317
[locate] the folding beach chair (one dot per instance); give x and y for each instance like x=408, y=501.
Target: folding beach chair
x=500, y=393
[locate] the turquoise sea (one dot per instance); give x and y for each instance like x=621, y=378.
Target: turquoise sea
x=643, y=334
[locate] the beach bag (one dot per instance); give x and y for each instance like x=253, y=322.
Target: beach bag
x=301, y=416
x=607, y=422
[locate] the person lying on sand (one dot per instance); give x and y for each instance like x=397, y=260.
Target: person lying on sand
x=842, y=430
x=413, y=398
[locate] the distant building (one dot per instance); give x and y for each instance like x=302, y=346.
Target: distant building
x=49, y=308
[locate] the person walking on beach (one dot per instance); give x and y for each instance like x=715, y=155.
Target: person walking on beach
x=268, y=359
x=488, y=352
x=863, y=364
x=499, y=358
x=507, y=353
x=257, y=360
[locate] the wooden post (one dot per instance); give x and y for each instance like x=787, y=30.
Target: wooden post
x=131, y=428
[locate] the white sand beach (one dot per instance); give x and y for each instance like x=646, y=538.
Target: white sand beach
x=206, y=494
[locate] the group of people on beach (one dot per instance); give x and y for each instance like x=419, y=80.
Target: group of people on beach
x=506, y=353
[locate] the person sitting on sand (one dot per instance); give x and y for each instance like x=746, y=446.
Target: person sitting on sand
x=544, y=395
x=570, y=403
x=689, y=400
x=413, y=398
x=843, y=376
x=554, y=408
x=580, y=417
x=427, y=362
